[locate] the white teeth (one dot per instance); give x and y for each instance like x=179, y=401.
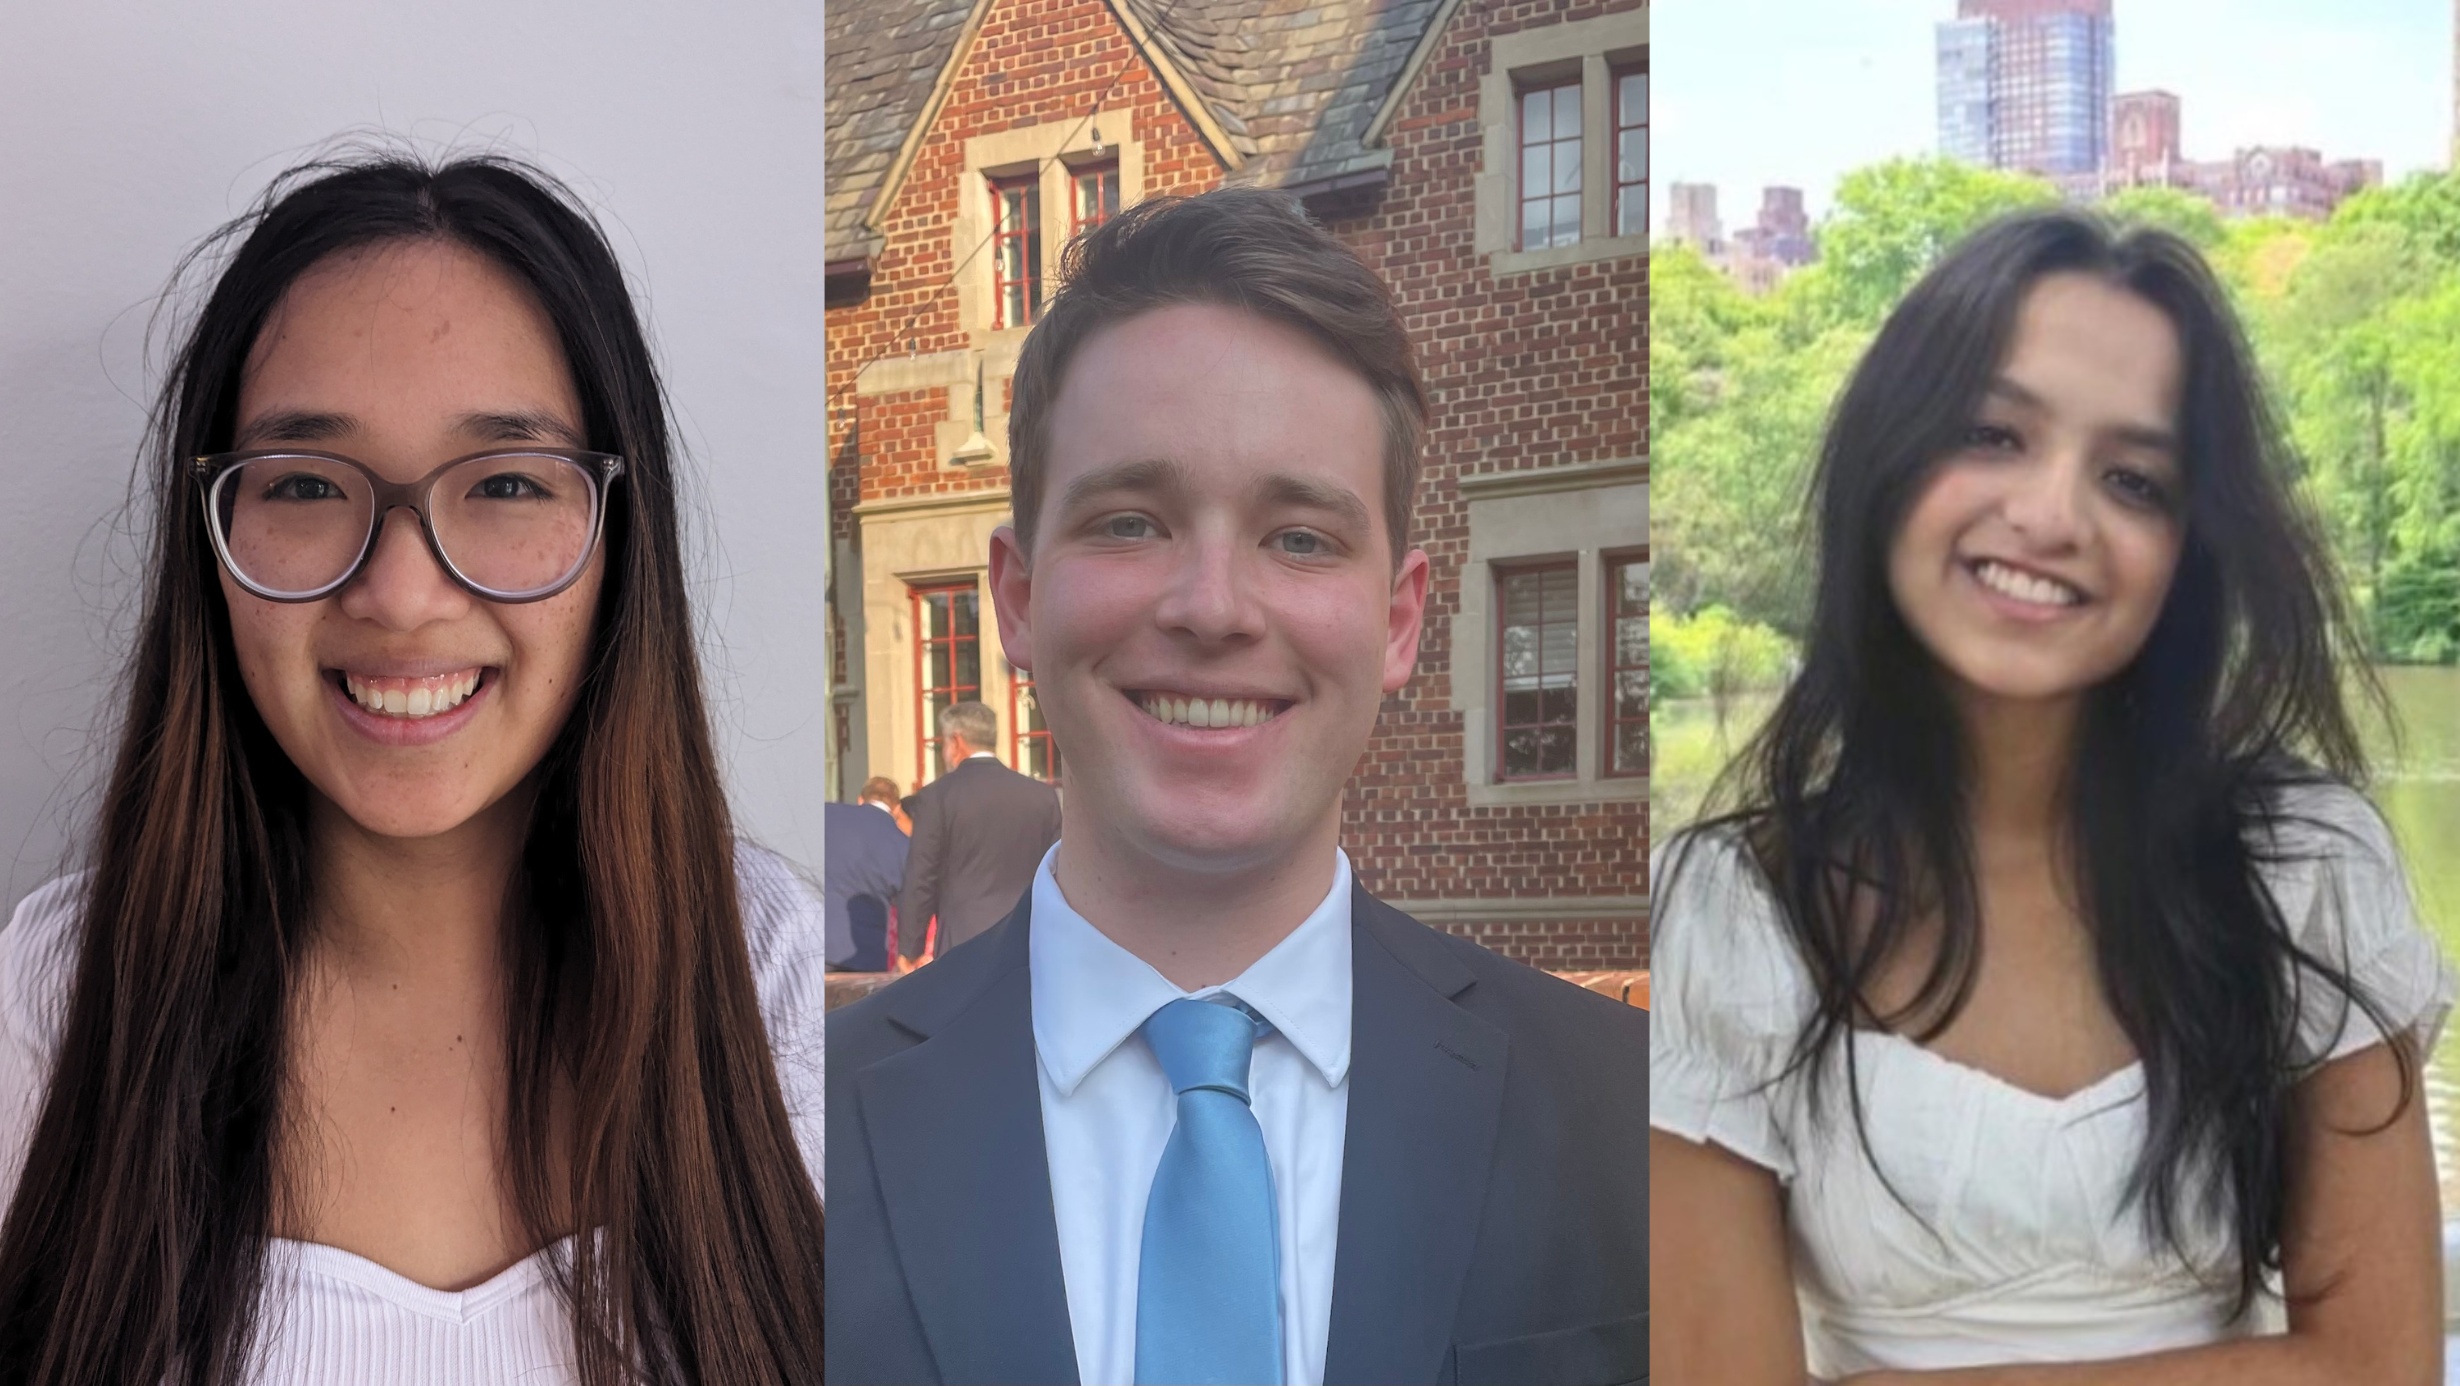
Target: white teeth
x=1207, y=713
x=2025, y=587
x=411, y=703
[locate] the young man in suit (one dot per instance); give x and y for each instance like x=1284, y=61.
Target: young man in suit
x=980, y=829
x=1200, y=1108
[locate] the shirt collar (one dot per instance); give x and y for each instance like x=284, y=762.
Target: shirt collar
x=1090, y=994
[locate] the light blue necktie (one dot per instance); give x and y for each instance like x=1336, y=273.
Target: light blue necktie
x=1208, y=1283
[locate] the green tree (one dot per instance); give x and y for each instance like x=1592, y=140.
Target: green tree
x=1892, y=220
x=2184, y=214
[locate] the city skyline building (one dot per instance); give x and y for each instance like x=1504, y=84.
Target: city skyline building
x=2026, y=85
x=2148, y=150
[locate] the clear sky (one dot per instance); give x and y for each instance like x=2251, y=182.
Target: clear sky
x=1746, y=93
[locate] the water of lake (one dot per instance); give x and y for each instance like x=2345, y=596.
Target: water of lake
x=2417, y=785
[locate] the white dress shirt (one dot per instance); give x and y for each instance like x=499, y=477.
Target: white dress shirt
x=1107, y=1112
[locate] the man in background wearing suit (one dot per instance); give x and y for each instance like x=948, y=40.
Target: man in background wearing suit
x=979, y=831
x=1201, y=1108
x=865, y=869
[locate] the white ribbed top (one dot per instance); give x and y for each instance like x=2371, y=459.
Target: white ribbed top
x=332, y=1318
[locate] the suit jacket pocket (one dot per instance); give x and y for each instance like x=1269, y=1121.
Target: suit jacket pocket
x=1602, y=1354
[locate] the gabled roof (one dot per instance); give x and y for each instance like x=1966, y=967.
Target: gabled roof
x=1290, y=86
x=1295, y=82
x=884, y=57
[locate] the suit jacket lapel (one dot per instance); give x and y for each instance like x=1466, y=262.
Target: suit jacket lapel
x=1426, y=1094
x=955, y=1125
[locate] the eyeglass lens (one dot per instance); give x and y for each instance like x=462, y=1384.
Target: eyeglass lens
x=510, y=523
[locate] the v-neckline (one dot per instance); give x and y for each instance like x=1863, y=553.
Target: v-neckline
x=2132, y=1070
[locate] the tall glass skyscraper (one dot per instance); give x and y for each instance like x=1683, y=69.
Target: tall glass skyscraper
x=2026, y=84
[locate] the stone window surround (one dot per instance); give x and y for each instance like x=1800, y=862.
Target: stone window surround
x=1057, y=149
x=906, y=542
x=1578, y=510
x=1593, y=48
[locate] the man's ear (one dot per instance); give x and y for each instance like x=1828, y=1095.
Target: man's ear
x=1402, y=620
x=1012, y=587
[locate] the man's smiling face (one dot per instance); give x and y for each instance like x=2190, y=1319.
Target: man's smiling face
x=1211, y=612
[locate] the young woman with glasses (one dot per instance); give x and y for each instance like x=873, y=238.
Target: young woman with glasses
x=2048, y=1007
x=419, y=1018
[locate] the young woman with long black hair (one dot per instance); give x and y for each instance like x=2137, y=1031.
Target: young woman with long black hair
x=417, y=1017
x=2043, y=999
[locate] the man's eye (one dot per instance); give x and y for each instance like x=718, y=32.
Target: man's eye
x=1300, y=542
x=1128, y=527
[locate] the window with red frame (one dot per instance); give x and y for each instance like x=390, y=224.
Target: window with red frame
x=1550, y=166
x=1097, y=194
x=1631, y=151
x=1016, y=249
x=1030, y=748
x=947, y=664
x=1627, y=669
x=1538, y=631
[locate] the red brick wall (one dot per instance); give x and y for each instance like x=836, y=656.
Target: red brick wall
x=1525, y=371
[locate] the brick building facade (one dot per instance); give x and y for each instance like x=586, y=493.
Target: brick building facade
x=1488, y=158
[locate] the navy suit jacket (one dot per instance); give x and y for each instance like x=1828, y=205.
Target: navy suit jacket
x=1494, y=1182
x=864, y=871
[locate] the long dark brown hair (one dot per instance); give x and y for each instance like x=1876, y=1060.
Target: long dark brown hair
x=1853, y=797
x=134, y=1248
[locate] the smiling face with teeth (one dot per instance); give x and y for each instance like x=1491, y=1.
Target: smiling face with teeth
x=411, y=706
x=1211, y=612
x=2034, y=562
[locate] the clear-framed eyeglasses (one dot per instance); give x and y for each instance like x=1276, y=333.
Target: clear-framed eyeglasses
x=509, y=525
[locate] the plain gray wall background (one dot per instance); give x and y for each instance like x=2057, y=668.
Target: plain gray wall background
x=128, y=131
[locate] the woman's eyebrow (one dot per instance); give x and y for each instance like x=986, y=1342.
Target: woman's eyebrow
x=519, y=426
x=295, y=426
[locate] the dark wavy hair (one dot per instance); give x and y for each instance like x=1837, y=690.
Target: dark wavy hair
x=1852, y=798
x=133, y=1249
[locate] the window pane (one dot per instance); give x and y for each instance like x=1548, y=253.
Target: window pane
x=1520, y=752
x=935, y=615
x=1534, y=171
x=1567, y=112
x=1561, y=703
x=1631, y=160
x=935, y=673
x=969, y=668
x=1560, y=649
x=1629, y=753
x=1520, y=709
x=1567, y=220
x=1631, y=695
x=1520, y=656
x=1522, y=598
x=1554, y=750
x=1536, y=221
x=1632, y=94
x=1629, y=205
x=1629, y=633
x=969, y=606
x=1536, y=116
x=1567, y=167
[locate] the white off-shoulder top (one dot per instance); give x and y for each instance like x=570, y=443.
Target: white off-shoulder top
x=2014, y=1241
x=332, y=1318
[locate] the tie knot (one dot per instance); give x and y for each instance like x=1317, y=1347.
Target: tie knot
x=1204, y=1044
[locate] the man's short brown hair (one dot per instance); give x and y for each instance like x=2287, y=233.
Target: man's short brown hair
x=1246, y=248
